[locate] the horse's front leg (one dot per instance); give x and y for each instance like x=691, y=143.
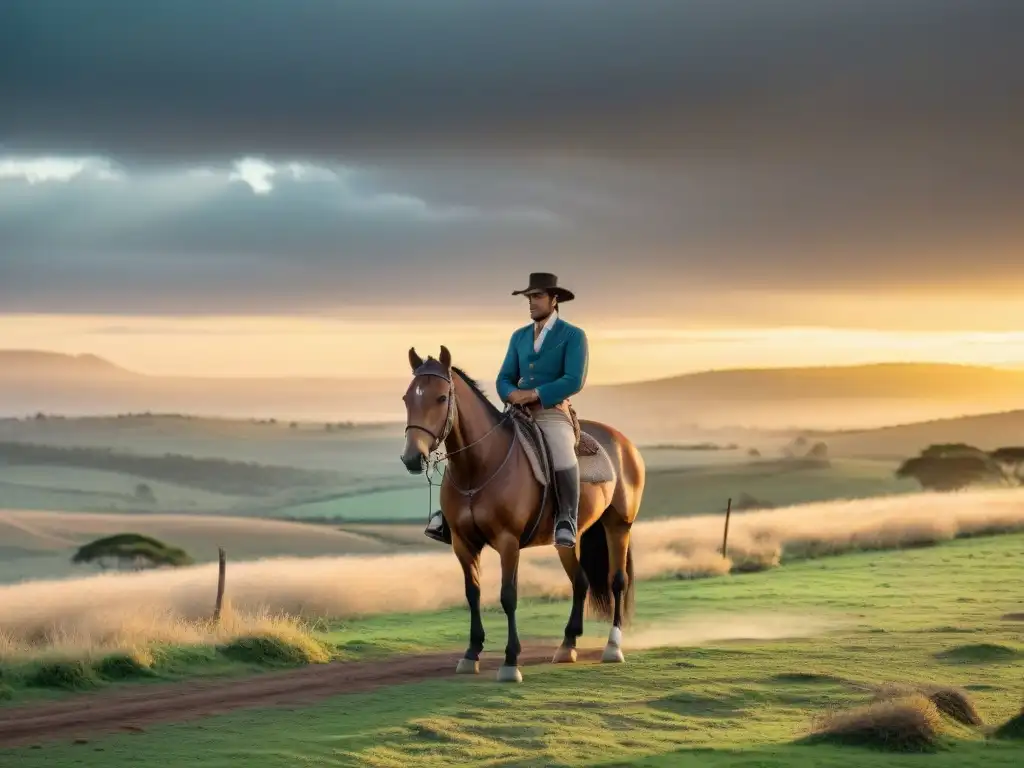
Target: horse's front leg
x=508, y=550
x=470, y=561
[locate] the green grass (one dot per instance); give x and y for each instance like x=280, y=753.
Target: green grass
x=704, y=489
x=895, y=618
x=352, y=475
x=30, y=680
x=670, y=492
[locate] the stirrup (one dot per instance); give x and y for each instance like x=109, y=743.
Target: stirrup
x=437, y=528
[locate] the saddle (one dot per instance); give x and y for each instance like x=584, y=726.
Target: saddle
x=594, y=462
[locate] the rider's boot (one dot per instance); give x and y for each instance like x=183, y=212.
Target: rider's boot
x=568, y=483
x=437, y=528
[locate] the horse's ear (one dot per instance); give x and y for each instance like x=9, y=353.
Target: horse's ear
x=414, y=360
x=446, y=357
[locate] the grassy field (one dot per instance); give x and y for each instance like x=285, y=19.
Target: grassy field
x=705, y=489
x=729, y=671
x=352, y=474
x=672, y=490
x=94, y=615
x=39, y=545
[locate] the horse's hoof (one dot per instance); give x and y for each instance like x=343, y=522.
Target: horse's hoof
x=612, y=655
x=564, y=655
x=467, y=667
x=509, y=674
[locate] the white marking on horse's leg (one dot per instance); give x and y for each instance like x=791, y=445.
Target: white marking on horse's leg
x=467, y=667
x=615, y=637
x=509, y=674
x=613, y=651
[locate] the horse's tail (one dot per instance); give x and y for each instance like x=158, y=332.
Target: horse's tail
x=595, y=563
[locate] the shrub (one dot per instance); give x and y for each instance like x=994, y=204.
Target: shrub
x=123, y=666
x=69, y=675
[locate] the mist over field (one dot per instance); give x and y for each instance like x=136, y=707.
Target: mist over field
x=114, y=610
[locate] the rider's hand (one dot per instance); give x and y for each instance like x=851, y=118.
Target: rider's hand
x=522, y=396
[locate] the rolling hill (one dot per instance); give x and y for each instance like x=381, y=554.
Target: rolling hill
x=986, y=431
x=934, y=381
x=832, y=397
x=38, y=365
x=82, y=385
x=808, y=397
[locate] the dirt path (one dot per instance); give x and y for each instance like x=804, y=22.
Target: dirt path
x=132, y=708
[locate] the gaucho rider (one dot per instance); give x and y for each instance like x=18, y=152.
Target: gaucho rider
x=546, y=364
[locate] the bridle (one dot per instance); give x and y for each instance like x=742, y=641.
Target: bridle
x=429, y=368
x=432, y=367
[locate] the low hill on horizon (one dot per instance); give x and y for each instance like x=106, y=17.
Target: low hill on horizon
x=29, y=363
x=987, y=431
x=870, y=380
x=820, y=397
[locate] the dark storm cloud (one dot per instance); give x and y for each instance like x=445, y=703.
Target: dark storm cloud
x=796, y=143
x=193, y=77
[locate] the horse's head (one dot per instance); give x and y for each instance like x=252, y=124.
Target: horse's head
x=429, y=408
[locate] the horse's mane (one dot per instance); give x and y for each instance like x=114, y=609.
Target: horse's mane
x=478, y=391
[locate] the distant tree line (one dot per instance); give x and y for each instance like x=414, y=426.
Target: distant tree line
x=952, y=466
x=209, y=474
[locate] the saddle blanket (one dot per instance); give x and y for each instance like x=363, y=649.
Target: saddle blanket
x=595, y=463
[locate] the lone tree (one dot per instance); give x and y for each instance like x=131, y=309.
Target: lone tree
x=952, y=466
x=1011, y=459
x=130, y=551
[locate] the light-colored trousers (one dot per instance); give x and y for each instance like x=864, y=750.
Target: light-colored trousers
x=558, y=431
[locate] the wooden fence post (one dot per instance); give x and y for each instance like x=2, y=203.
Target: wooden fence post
x=725, y=536
x=220, y=582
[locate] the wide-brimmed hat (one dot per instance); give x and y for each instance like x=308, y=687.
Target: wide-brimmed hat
x=545, y=282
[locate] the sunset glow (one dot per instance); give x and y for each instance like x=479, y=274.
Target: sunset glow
x=375, y=347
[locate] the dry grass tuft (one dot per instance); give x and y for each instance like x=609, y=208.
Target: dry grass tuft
x=111, y=612
x=952, y=702
x=121, y=645
x=955, y=704
x=906, y=724
x=268, y=649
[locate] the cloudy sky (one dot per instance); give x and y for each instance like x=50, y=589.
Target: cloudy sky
x=347, y=178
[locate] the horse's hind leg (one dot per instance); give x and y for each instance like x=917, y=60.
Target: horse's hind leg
x=470, y=561
x=566, y=653
x=618, y=551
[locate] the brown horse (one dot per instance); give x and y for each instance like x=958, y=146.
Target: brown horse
x=490, y=497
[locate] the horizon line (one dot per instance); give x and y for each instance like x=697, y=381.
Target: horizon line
x=1008, y=365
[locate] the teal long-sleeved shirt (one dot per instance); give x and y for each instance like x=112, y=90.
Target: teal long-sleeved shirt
x=558, y=371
